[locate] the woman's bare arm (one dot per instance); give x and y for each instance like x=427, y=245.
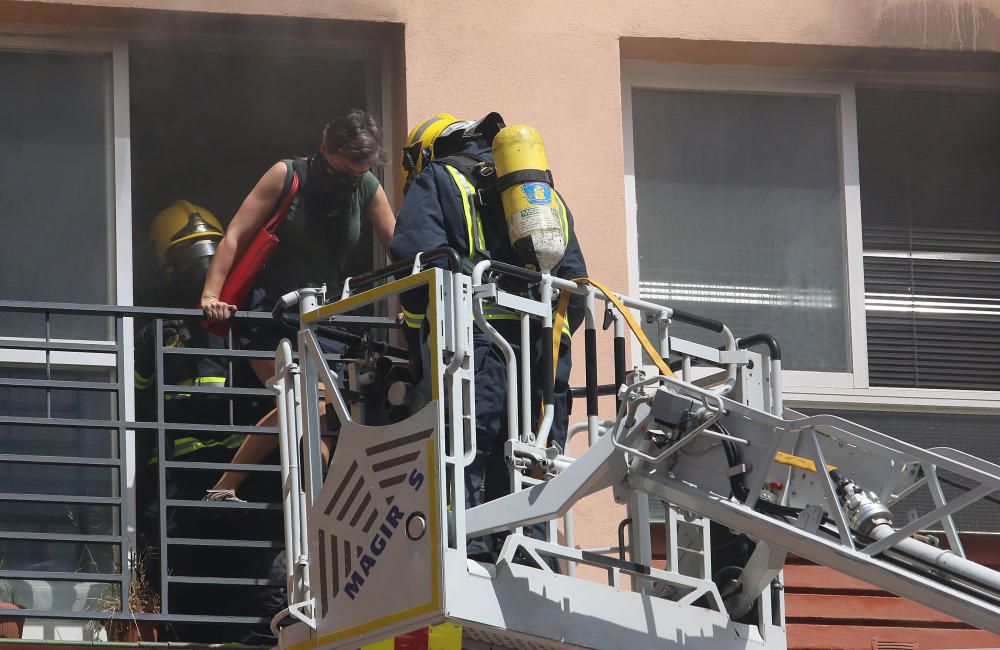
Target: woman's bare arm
x=249, y=219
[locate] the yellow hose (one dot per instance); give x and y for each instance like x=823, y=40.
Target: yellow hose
x=563, y=305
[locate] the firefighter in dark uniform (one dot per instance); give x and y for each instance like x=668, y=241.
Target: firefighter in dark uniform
x=184, y=237
x=447, y=203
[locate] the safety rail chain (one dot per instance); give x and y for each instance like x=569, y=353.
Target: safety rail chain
x=666, y=441
x=48, y=355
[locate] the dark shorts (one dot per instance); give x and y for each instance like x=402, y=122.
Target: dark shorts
x=266, y=334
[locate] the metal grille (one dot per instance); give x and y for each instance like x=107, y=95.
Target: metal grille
x=929, y=164
x=64, y=483
x=978, y=435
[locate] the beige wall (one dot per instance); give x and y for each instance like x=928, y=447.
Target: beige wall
x=556, y=65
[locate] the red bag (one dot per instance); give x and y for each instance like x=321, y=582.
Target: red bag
x=243, y=273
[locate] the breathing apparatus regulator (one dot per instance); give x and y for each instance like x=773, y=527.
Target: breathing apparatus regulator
x=184, y=238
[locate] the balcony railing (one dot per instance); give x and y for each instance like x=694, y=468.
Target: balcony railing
x=91, y=480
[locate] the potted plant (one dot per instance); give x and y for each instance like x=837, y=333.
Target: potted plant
x=11, y=627
x=142, y=599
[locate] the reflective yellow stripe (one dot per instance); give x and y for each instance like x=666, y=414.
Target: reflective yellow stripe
x=142, y=383
x=202, y=381
x=412, y=319
x=563, y=218
x=626, y=314
x=444, y=637
x=493, y=312
x=468, y=193
x=189, y=444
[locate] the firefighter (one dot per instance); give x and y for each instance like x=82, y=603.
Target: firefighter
x=184, y=236
x=451, y=199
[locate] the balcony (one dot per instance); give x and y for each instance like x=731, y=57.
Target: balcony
x=87, y=511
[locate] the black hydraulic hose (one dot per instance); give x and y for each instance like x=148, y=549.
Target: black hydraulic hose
x=619, y=367
x=335, y=334
x=761, y=339
x=602, y=389
x=533, y=277
x=590, y=352
x=547, y=378
x=735, y=458
x=454, y=263
x=699, y=321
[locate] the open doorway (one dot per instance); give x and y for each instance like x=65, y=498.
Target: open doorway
x=208, y=119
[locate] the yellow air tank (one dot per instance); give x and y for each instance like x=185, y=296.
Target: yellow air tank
x=533, y=212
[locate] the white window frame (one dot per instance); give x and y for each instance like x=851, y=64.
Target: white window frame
x=118, y=228
x=119, y=195
x=811, y=389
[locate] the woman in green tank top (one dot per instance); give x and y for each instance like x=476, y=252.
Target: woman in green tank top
x=337, y=190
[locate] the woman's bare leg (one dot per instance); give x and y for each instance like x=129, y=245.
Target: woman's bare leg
x=255, y=448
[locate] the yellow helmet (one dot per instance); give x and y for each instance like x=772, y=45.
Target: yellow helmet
x=419, y=149
x=184, y=235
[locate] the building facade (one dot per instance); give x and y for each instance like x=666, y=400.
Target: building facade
x=822, y=170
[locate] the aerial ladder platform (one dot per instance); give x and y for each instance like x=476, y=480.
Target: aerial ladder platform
x=376, y=543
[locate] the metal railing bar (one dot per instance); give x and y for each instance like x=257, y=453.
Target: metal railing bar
x=215, y=390
x=156, y=618
x=64, y=385
x=225, y=543
x=200, y=428
x=76, y=308
x=184, y=503
x=221, y=467
x=123, y=479
x=77, y=576
x=247, y=354
x=60, y=498
x=76, y=461
x=62, y=537
x=62, y=346
x=60, y=422
x=214, y=580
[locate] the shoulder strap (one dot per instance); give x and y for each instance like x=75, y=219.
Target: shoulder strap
x=470, y=166
x=289, y=190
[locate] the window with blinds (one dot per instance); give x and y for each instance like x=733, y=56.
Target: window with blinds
x=930, y=201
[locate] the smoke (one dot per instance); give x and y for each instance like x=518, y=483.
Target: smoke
x=963, y=21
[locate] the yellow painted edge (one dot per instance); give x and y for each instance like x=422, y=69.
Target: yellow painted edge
x=446, y=636
x=424, y=277
x=433, y=337
x=433, y=604
x=364, y=628
x=798, y=461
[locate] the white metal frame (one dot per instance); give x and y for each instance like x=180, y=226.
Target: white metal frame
x=118, y=229
x=640, y=76
x=486, y=600
x=843, y=390
x=119, y=190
